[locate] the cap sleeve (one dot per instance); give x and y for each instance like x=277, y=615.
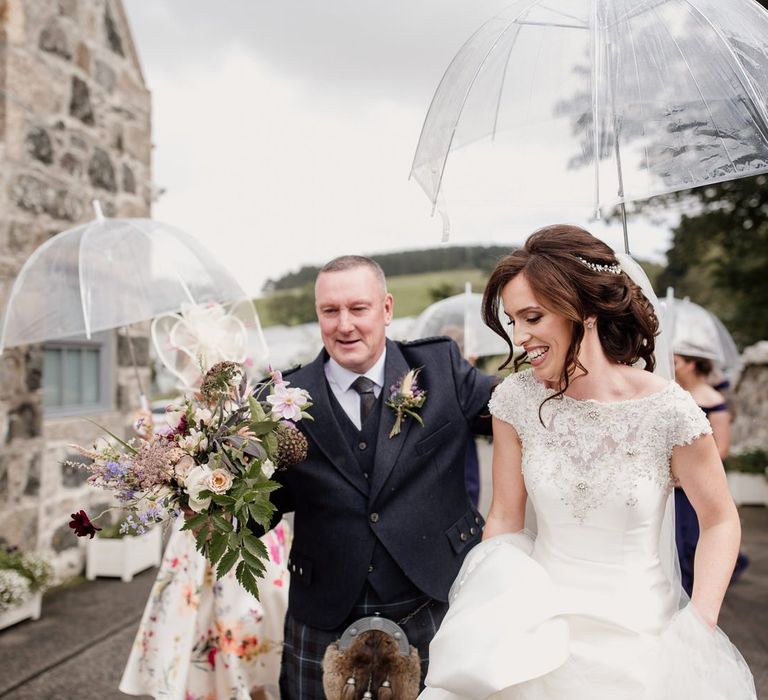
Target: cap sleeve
x=688, y=421
x=508, y=400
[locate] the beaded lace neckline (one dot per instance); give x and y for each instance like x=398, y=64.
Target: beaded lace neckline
x=598, y=402
x=589, y=454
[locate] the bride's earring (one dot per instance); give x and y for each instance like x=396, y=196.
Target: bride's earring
x=590, y=324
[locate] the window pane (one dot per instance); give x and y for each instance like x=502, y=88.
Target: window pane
x=91, y=377
x=52, y=395
x=73, y=378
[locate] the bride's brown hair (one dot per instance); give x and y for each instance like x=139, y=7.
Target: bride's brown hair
x=562, y=263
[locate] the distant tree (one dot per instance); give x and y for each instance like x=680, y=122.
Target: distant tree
x=443, y=291
x=292, y=307
x=719, y=253
x=409, y=262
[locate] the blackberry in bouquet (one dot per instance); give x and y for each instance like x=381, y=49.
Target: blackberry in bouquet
x=217, y=463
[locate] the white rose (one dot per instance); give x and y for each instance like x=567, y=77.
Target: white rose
x=197, y=481
x=268, y=468
x=220, y=481
x=185, y=465
x=203, y=414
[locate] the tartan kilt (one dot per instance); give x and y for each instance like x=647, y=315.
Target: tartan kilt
x=301, y=673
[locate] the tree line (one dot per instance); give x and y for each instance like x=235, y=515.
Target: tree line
x=411, y=262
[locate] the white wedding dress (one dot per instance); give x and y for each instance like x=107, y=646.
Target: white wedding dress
x=586, y=609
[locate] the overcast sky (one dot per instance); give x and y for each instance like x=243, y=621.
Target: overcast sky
x=284, y=130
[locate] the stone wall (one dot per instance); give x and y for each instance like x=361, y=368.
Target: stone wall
x=750, y=401
x=74, y=126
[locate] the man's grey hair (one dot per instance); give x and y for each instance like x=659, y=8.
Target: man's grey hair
x=349, y=262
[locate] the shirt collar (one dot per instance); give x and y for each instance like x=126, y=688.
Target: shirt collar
x=343, y=377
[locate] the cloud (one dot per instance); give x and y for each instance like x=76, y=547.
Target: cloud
x=284, y=132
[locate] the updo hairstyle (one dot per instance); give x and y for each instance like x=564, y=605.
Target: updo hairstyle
x=570, y=273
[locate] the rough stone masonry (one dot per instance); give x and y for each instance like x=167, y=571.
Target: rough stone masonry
x=74, y=126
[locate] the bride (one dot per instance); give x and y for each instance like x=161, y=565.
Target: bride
x=590, y=607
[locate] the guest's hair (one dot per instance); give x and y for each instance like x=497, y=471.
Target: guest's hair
x=574, y=274
x=349, y=262
x=701, y=365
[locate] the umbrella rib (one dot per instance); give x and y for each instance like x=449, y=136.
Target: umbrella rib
x=595, y=108
x=744, y=78
x=466, y=94
x=640, y=94
x=85, y=305
x=698, y=88
x=178, y=277
x=501, y=86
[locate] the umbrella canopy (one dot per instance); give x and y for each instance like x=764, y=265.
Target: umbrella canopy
x=697, y=332
x=460, y=317
x=110, y=273
x=592, y=103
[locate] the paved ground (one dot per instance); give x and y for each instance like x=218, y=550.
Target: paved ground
x=78, y=648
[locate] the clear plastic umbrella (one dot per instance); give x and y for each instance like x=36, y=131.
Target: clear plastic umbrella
x=110, y=273
x=697, y=332
x=593, y=103
x=460, y=317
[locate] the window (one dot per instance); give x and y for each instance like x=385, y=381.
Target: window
x=77, y=375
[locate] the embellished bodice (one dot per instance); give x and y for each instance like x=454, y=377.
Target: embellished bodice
x=598, y=476
x=593, y=454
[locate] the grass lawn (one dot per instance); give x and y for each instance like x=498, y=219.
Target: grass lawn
x=412, y=295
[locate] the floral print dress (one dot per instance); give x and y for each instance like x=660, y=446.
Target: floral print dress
x=203, y=639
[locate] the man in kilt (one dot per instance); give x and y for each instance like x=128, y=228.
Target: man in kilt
x=382, y=518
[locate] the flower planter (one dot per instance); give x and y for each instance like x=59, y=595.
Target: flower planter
x=28, y=609
x=125, y=556
x=748, y=489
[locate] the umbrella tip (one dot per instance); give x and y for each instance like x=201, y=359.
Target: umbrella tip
x=97, y=210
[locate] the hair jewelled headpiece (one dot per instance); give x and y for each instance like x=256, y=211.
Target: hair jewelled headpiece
x=597, y=267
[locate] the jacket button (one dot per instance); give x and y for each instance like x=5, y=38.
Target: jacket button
x=301, y=571
x=374, y=517
x=365, y=474
x=477, y=520
x=463, y=536
x=362, y=445
x=370, y=568
x=472, y=531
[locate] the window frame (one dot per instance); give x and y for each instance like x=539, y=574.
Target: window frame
x=104, y=342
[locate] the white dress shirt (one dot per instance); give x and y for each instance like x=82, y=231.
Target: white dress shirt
x=341, y=379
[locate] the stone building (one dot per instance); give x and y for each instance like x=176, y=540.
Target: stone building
x=750, y=401
x=74, y=126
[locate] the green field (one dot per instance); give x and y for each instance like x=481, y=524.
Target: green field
x=412, y=292
x=412, y=295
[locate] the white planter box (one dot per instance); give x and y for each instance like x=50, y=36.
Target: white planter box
x=29, y=609
x=125, y=556
x=748, y=489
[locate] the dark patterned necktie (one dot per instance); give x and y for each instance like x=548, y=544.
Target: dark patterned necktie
x=364, y=387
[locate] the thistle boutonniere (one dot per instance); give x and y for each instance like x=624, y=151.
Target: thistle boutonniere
x=405, y=398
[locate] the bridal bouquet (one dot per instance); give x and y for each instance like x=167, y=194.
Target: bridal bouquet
x=216, y=463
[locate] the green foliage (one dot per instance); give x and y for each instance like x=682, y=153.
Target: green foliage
x=32, y=566
x=719, y=254
x=444, y=290
x=290, y=307
x=752, y=462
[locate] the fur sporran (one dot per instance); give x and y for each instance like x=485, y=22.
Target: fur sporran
x=371, y=667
